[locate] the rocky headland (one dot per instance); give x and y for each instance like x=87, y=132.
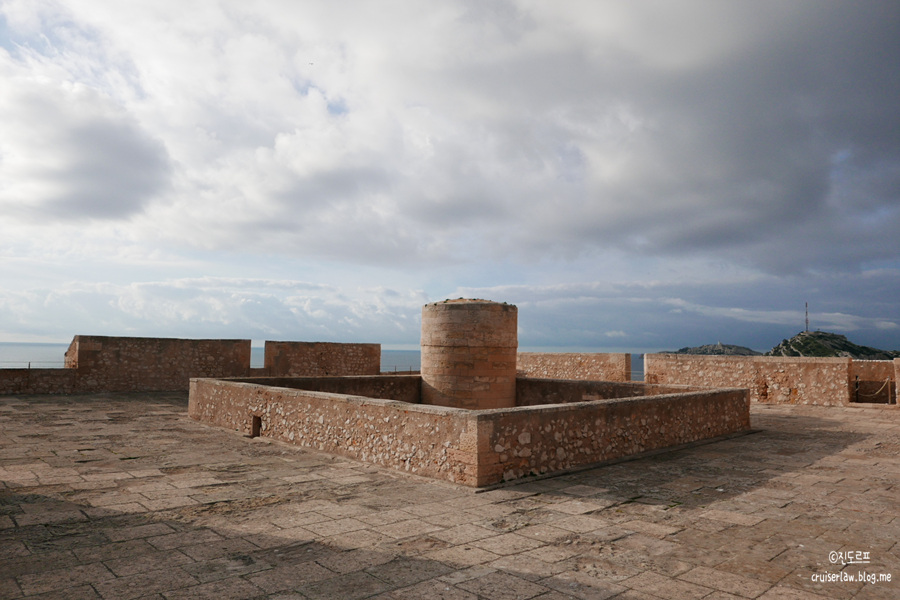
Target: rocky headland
x=819, y=344
x=825, y=344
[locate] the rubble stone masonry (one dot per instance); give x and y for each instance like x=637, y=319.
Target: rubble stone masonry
x=132, y=364
x=113, y=364
x=770, y=379
x=37, y=381
x=426, y=440
x=287, y=359
x=535, y=392
x=571, y=365
x=553, y=438
x=470, y=447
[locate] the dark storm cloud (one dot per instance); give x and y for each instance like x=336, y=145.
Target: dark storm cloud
x=762, y=139
x=787, y=140
x=756, y=312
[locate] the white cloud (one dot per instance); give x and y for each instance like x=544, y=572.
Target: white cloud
x=217, y=307
x=835, y=321
x=507, y=129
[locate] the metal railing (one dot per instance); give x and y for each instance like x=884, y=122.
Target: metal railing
x=32, y=364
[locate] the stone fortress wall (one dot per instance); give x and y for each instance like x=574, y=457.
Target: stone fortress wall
x=303, y=359
x=782, y=380
x=473, y=421
x=135, y=364
x=572, y=365
x=568, y=411
x=381, y=420
x=95, y=364
x=125, y=364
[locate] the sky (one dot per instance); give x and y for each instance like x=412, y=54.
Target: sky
x=641, y=175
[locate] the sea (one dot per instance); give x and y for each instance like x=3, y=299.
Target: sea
x=49, y=356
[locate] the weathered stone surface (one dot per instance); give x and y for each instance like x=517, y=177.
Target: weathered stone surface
x=37, y=381
x=753, y=516
x=571, y=365
x=113, y=364
x=292, y=359
x=130, y=364
x=873, y=381
x=469, y=354
x=771, y=380
x=472, y=447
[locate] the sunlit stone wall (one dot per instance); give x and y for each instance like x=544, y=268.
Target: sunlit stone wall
x=469, y=354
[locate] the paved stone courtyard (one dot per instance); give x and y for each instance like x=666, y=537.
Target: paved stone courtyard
x=123, y=496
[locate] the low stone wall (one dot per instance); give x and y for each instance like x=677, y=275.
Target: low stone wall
x=432, y=441
x=37, y=381
x=570, y=365
x=770, y=379
x=403, y=388
x=288, y=359
x=470, y=447
x=129, y=364
x=124, y=364
x=535, y=392
x=547, y=439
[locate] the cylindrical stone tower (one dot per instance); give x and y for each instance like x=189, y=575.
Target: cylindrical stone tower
x=469, y=354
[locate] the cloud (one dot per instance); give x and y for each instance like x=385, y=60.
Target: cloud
x=510, y=129
x=68, y=152
x=601, y=164
x=608, y=315
x=752, y=311
x=824, y=320
x=217, y=307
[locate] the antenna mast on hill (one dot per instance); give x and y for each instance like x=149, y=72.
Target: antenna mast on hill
x=807, y=317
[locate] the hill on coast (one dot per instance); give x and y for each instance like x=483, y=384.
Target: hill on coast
x=719, y=349
x=825, y=344
x=819, y=344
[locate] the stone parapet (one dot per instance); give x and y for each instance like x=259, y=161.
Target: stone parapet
x=575, y=365
x=133, y=364
x=425, y=440
x=471, y=447
x=37, y=381
x=531, y=391
x=113, y=364
x=548, y=439
x=290, y=359
x=770, y=379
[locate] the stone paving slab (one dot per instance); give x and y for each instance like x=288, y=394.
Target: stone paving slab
x=118, y=496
